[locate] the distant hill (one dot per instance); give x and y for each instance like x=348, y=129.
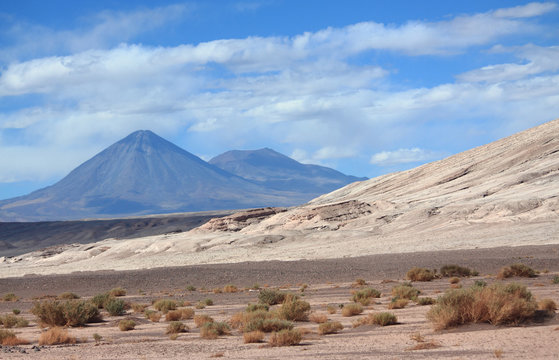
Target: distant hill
x=145, y=174
x=273, y=170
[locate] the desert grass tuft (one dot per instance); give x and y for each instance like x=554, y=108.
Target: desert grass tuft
x=212, y=330
x=285, y=338
x=69, y=313
x=547, y=305
x=405, y=291
x=200, y=320
x=138, y=308
x=271, y=296
x=10, y=297
x=67, y=296
x=352, y=310
x=230, y=289
x=117, y=292
x=359, y=282
x=253, y=337
x=294, y=310
x=364, y=296
x=519, y=270
x=420, y=274
x=382, y=319
x=153, y=316
x=496, y=304
x=56, y=336
x=176, y=327
x=13, y=321
x=398, y=303
x=457, y=271
x=164, y=305
x=330, y=327
x=257, y=307
x=425, y=301
x=126, y=324
x=318, y=318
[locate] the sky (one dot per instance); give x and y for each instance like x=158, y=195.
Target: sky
x=365, y=87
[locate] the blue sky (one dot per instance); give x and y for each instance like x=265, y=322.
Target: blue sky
x=366, y=87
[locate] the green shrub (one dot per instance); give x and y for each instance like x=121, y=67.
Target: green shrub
x=405, y=291
x=363, y=296
x=164, y=305
x=100, y=299
x=208, y=302
x=115, y=307
x=212, y=330
x=257, y=307
x=420, y=274
x=267, y=325
x=190, y=288
x=384, y=319
x=294, y=310
x=480, y=283
x=426, y=301
x=16, y=311
x=11, y=321
x=555, y=279
x=69, y=313
x=271, y=297
x=455, y=270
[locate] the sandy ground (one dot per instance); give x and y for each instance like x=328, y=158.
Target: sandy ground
x=329, y=283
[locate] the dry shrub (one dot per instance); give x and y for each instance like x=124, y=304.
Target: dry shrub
x=139, y=308
x=425, y=301
x=271, y=297
x=69, y=313
x=496, y=304
x=10, y=297
x=126, y=324
x=55, y=336
x=67, y=296
x=11, y=321
x=547, y=305
x=352, y=309
x=230, y=289
x=425, y=345
x=294, y=310
x=331, y=309
x=212, y=330
x=405, y=291
x=330, y=327
x=454, y=280
x=173, y=315
x=455, y=270
x=176, y=327
x=285, y=338
x=14, y=341
x=117, y=292
x=244, y=320
x=318, y=318
x=382, y=319
x=6, y=334
x=363, y=296
x=253, y=337
x=359, y=282
x=519, y=270
x=398, y=303
x=217, y=291
x=257, y=307
x=200, y=320
x=420, y=274
x=153, y=316
x=164, y=305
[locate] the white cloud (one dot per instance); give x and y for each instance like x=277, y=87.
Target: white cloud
x=305, y=91
x=403, y=156
x=524, y=11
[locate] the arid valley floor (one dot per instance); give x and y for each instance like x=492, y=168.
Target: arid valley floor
x=322, y=283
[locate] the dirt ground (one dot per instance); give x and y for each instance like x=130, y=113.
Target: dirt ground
x=329, y=282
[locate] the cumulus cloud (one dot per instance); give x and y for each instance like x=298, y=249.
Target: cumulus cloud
x=403, y=156
x=306, y=91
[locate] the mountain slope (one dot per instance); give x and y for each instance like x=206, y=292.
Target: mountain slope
x=502, y=194
x=142, y=174
x=277, y=171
